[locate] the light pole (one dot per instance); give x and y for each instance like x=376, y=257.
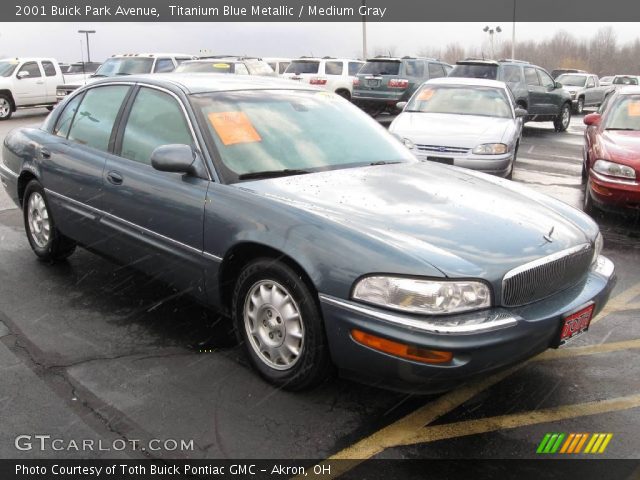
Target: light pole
x=87, y=32
x=491, y=32
x=364, y=33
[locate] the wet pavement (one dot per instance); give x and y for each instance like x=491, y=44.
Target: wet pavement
x=93, y=350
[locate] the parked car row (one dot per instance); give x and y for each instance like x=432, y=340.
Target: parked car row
x=321, y=238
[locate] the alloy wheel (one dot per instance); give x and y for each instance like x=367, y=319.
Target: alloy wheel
x=38, y=218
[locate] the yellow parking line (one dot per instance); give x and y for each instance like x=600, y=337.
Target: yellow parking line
x=587, y=350
x=619, y=302
x=491, y=424
x=407, y=427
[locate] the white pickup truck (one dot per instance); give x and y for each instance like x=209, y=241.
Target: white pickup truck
x=28, y=82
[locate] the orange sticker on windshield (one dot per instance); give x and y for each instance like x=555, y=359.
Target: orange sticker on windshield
x=425, y=94
x=234, y=127
x=633, y=109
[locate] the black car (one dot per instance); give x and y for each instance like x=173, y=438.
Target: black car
x=533, y=88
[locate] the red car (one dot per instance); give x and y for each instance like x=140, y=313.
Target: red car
x=611, y=168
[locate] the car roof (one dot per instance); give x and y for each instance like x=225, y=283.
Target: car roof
x=481, y=82
x=209, y=82
x=474, y=61
x=326, y=59
x=400, y=59
x=152, y=55
x=28, y=59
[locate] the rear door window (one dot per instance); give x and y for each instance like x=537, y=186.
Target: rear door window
x=436, y=70
x=354, y=68
x=155, y=119
x=96, y=115
x=414, y=68
x=49, y=69
x=531, y=76
x=333, y=68
x=282, y=67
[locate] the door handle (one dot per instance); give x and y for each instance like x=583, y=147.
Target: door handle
x=40, y=83
x=44, y=153
x=114, y=178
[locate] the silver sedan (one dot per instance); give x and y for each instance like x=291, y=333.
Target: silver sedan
x=466, y=122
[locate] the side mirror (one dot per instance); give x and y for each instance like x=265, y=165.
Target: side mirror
x=521, y=112
x=177, y=158
x=22, y=74
x=400, y=106
x=593, y=119
x=557, y=85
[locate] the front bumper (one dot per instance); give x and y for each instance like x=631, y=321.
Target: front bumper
x=499, y=165
x=481, y=342
x=614, y=193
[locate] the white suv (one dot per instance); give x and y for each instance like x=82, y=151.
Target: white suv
x=130, y=64
x=332, y=74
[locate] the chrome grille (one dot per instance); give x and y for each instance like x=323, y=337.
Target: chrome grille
x=441, y=149
x=546, y=276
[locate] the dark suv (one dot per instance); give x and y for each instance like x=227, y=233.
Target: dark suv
x=532, y=86
x=384, y=81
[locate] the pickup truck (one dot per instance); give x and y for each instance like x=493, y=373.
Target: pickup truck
x=585, y=90
x=128, y=64
x=28, y=82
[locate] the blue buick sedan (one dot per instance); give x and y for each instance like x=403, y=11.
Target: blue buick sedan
x=317, y=233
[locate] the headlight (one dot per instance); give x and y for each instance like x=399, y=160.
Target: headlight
x=428, y=297
x=490, y=149
x=614, y=169
x=573, y=94
x=60, y=93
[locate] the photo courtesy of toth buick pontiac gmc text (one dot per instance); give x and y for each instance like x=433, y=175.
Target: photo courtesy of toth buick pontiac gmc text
x=316, y=232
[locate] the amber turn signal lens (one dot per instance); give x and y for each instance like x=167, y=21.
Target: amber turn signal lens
x=401, y=350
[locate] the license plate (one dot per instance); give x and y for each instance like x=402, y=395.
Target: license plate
x=373, y=83
x=576, y=324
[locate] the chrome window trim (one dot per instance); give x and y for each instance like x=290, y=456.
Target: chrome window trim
x=210, y=175
x=544, y=260
x=423, y=325
x=134, y=225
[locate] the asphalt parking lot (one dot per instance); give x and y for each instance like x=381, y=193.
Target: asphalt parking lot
x=93, y=350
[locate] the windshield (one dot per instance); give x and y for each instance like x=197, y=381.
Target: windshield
x=303, y=66
x=606, y=79
x=7, y=68
x=125, y=66
x=274, y=130
x=568, y=80
x=461, y=100
x=625, y=81
x=380, y=67
x=624, y=114
x=206, y=67
x=489, y=72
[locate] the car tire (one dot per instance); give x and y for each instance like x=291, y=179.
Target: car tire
x=45, y=239
x=509, y=175
x=5, y=107
x=277, y=319
x=579, y=108
x=562, y=121
x=344, y=94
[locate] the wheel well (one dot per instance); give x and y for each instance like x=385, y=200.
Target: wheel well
x=243, y=253
x=23, y=181
x=11, y=100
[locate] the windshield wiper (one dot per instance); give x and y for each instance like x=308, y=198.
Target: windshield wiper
x=123, y=73
x=383, y=162
x=98, y=75
x=622, y=128
x=272, y=173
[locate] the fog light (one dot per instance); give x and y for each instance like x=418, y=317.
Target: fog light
x=396, y=349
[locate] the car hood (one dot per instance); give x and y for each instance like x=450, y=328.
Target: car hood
x=621, y=146
x=572, y=89
x=465, y=131
x=463, y=223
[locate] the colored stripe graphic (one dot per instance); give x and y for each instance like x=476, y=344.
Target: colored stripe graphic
x=573, y=443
